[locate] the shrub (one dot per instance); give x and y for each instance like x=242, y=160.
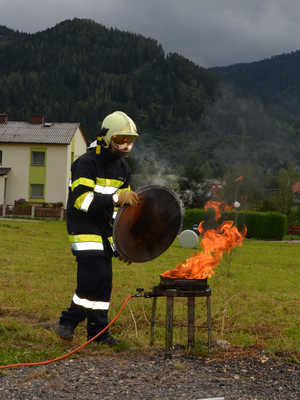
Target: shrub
x=266, y=225
x=21, y=203
x=260, y=225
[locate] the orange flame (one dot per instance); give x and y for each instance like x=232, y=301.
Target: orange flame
x=216, y=206
x=214, y=243
x=239, y=179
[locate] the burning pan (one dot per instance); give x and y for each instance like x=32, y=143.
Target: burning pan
x=144, y=232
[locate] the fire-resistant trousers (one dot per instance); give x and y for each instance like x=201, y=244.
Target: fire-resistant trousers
x=92, y=295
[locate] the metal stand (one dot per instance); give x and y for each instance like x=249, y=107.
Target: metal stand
x=159, y=291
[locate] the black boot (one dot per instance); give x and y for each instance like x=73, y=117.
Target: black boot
x=97, y=321
x=68, y=321
x=64, y=331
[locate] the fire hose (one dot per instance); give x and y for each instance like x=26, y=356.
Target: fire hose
x=45, y=362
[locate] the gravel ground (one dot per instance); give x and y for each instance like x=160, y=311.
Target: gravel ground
x=140, y=376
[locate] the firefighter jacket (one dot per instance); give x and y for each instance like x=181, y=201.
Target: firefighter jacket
x=90, y=211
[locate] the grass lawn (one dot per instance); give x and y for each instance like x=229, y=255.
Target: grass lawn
x=255, y=296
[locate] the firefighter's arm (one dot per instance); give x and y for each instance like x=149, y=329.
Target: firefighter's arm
x=86, y=198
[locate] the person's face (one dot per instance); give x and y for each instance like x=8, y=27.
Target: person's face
x=122, y=144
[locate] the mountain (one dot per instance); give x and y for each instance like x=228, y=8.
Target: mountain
x=80, y=70
x=192, y=120
x=276, y=80
x=6, y=32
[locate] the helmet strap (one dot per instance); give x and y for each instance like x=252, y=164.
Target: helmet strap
x=99, y=143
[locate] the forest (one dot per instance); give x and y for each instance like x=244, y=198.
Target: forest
x=196, y=124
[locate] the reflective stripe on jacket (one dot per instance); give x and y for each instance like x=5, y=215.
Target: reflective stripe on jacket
x=90, y=211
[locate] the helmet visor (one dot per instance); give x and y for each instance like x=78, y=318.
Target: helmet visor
x=123, y=139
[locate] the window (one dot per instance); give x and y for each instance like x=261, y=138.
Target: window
x=0, y=157
x=38, y=158
x=36, y=191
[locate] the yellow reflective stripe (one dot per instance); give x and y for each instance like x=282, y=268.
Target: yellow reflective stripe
x=110, y=239
x=109, y=182
x=85, y=238
x=83, y=181
x=80, y=199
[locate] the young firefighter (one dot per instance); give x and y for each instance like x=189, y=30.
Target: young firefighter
x=99, y=182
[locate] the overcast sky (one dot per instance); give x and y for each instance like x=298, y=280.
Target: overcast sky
x=208, y=32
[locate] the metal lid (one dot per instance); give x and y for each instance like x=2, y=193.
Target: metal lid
x=144, y=232
x=188, y=239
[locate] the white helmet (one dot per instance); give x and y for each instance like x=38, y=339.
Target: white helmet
x=117, y=123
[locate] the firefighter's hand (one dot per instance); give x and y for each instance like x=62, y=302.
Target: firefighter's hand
x=125, y=260
x=121, y=258
x=128, y=197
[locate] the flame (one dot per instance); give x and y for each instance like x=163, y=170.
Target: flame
x=239, y=179
x=216, y=206
x=214, y=243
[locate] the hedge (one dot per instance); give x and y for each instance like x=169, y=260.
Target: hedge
x=260, y=225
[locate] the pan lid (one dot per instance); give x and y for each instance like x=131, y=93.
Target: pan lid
x=144, y=232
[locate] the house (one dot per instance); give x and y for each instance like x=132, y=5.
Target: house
x=35, y=159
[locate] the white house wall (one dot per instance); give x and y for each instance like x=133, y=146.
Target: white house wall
x=2, y=183
x=58, y=169
x=79, y=144
x=16, y=157
x=56, y=174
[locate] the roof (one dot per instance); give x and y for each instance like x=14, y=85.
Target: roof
x=4, y=171
x=47, y=133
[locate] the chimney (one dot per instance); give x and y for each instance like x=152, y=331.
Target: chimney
x=37, y=119
x=3, y=118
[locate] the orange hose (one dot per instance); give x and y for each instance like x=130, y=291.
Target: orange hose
x=76, y=348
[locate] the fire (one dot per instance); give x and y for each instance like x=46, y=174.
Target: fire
x=239, y=179
x=214, y=243
x=216, y=206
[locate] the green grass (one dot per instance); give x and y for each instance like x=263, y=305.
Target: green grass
x=255, y=296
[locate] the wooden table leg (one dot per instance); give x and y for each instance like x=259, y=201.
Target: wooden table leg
x=169, y=326
x=153, y=320
x=191, y=322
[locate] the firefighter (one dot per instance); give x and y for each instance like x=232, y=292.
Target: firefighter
x=100, y=182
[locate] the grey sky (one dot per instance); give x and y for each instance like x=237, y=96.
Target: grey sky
x=208, y=32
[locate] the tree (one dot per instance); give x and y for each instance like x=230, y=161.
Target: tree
x=245, y=184
x=284, y=199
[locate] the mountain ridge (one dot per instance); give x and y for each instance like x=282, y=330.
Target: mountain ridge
x=79, y=70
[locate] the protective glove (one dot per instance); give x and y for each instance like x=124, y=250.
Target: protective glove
x=121, y=258
x=128, y=197
x=125, y=260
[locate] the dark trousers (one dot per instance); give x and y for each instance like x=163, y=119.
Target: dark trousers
x=94, y=284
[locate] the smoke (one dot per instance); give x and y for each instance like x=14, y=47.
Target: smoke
x=235, y=136
x=151, y=168
x=241, y=130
